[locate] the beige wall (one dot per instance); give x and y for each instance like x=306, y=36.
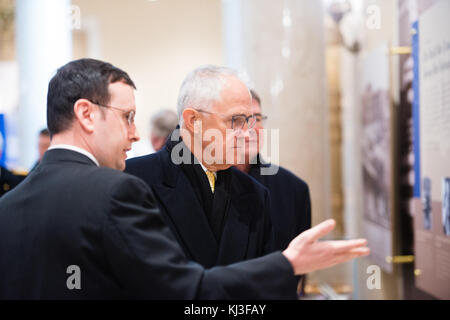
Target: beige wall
x=156, y=42
x=292, y=87
x=7, y=48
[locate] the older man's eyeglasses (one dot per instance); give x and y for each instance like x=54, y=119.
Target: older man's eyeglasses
x=238, y=121
x=129, y=115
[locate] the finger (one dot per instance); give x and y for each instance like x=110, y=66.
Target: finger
x=342, y=246
x=345, y=257
x=360, y=252
x=354, y=253
x=342, y=258
x=320, y=230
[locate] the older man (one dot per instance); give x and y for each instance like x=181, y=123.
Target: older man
x=78, y=229
x=218, y=214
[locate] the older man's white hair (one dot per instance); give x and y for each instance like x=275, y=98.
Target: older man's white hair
x=203, y=86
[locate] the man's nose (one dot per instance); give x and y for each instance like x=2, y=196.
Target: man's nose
x=243, y=137
x=242, y=134
x=135, y=135
x=247, y=133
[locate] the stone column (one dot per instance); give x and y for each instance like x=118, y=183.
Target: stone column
x=43, y=43
x=281, y=47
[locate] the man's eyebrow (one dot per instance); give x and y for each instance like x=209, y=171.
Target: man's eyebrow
x=244, y=115
x=238, y=114
x=132, y=108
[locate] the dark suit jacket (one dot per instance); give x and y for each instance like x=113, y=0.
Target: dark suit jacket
x=8, y=180
x=247, y=231
x=289, y=200
x=69, y=212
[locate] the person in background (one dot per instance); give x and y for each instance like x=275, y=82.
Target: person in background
x=8, y=179
x=289, y=195
x=290, y=205
x=161, y=126
x=43, y=144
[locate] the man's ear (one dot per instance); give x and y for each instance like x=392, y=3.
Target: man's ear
x=84, y=114
x=189, y=117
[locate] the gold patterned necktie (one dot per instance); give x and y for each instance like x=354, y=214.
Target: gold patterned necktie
x=211, y=179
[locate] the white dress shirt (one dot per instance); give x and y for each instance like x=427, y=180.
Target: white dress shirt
x=76, y=149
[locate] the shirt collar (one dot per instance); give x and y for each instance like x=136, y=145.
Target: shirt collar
x=76, y=149
x=204, y=169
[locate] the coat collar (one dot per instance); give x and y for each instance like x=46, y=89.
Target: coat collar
x=65, y=155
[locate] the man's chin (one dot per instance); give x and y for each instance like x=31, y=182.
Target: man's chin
x=218, y=166
x=120, y=166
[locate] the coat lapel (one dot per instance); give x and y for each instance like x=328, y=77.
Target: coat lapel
x=186, y=214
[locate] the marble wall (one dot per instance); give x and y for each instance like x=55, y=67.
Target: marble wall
x=280, y=45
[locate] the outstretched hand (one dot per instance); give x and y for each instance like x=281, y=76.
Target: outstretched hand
x=306, y=253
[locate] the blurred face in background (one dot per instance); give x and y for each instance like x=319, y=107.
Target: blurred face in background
x=255, y=134
x=43, y=145
x=157, y=141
